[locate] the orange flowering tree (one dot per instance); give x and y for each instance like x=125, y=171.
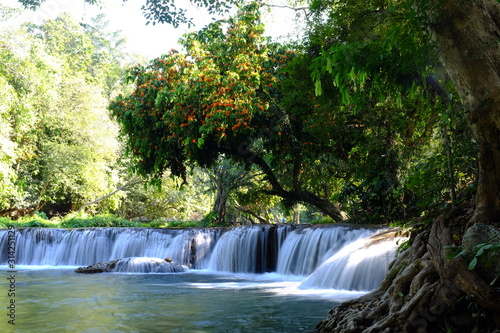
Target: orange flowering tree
x=231, y=93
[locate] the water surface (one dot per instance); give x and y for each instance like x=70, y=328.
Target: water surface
x=59, y=300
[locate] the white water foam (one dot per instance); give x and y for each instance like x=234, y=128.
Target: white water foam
x=306, y=261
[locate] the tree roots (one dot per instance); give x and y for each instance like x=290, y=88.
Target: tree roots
x=425, y=291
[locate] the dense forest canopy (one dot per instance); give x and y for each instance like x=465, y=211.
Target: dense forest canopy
x=60, y=149
x=360, y=120
x=370, y=142
x=55, y=80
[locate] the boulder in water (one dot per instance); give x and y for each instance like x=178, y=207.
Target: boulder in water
x=99, y=267
x=134, y=265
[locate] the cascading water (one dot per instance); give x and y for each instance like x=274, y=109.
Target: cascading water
x=146, y=265
x=305, y=249
x=243, y=279
x=359, y=265
x=248, y=250
x=334, y=257
x=80, y=247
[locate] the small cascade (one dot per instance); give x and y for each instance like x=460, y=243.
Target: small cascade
x=305, y=249
x=360, y=265
x=339, y=257
x=80, y=247
x=248, y=249
x=146, y=265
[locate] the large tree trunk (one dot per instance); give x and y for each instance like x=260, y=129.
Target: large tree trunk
x=425, y=291
x=467, y=36
x=326, y=206
x=220, y=203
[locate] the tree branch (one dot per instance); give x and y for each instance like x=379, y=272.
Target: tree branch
x=250, y=212
x=133, y=181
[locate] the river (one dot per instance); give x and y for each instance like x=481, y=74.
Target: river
x=246, y=279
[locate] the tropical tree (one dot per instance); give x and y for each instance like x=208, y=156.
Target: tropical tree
x=230, y=94
x=441, y=287
x=60, y=144
x=457, y=28
x=174, y=200
x=395, y=92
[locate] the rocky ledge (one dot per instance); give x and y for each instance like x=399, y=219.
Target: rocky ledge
x=134, y=265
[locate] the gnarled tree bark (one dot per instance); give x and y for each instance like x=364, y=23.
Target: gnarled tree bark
x=467, y=37
x=424, y=292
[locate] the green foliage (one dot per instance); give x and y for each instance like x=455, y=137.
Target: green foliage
x=209, y=219
x=98, y=221
x=379, y=128
x=182, y=224
x=190, y=107
x=232, y=95
x=487, y=251
x=481, y=248
x=58, y=144
x=408, y=147
x=37, y=220
x=322, y=220
x=158, y=223
x=164, y=11
x=5, y=222
x=172, y=200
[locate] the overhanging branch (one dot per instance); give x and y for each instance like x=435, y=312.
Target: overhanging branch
x=133, y=181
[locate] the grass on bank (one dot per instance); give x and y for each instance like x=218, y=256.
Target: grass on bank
x=81, y=220
x=39, y=220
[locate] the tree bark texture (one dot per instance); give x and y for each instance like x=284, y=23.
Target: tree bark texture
x=220, y=203
x=425, y=291
x=467, y=35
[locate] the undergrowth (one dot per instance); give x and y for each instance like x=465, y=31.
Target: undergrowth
x=79, y=220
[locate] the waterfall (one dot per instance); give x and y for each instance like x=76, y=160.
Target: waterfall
x=248, y=249
x=81, y=247
x=333, y=257
x=359, y=265
x=305, y=249
x=146, y=265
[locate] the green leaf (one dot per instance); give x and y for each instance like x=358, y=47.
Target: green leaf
x=317, y=88
x=472, y=264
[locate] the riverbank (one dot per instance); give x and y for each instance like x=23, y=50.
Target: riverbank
x=430, y=287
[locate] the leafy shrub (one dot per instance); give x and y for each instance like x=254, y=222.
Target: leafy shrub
x=5, y=222
x=182, y=224
x=31, y=221
x=156, y=224
x=209, y=219
x=38, y=224
x=98, y=221
x=322, y=220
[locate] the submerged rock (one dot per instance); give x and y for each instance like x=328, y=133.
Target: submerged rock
x=134, y=265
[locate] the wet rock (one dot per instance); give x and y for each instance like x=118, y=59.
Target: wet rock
x=135, y=265
x=480, y=234
x=99, y=267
